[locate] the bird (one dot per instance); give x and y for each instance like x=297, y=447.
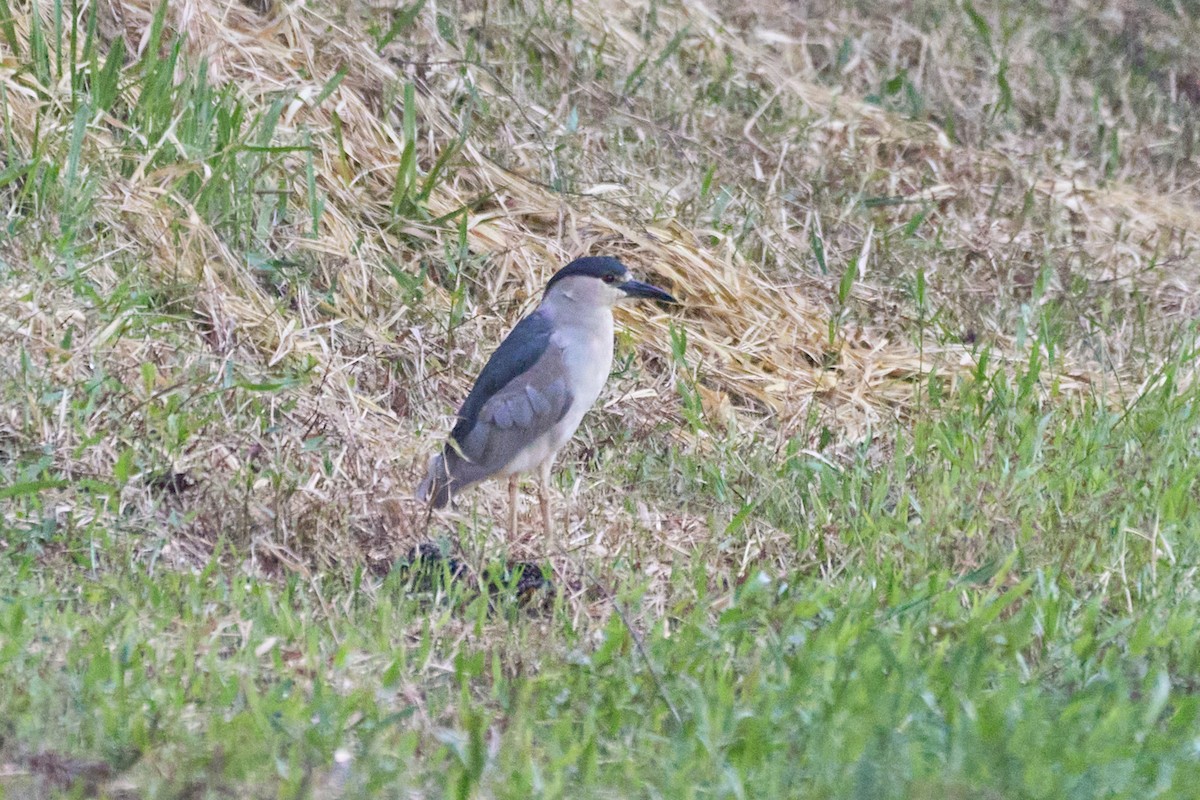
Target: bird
x=536, y=387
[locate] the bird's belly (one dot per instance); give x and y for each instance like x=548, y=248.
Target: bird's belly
x=550, y=442
x=535, y=453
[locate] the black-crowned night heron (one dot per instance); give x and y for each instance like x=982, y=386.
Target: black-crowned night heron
x=536, y=387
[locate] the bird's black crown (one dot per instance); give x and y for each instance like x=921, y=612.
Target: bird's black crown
x=593, y=267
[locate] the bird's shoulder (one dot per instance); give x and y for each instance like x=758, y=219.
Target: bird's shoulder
x=524, y=346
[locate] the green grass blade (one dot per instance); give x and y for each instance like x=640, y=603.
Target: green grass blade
x=27, y=488
x=106, y=81
x=9, y=29
x=330, y=86
x=403, y=20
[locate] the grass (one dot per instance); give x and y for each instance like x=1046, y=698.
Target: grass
x=1007, y=609
x=901, y=504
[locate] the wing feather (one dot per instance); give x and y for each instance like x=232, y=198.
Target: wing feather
x=537, y=400
x=519, y=408
x=511, y=419
x=519, y=351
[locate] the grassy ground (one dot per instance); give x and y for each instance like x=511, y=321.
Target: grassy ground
x=901, y=503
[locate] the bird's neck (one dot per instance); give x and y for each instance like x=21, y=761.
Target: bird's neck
x=566, y=311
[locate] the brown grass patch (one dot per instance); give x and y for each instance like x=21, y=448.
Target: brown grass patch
x=795, y=152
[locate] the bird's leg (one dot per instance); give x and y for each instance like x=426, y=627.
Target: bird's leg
x=544, y=498
x=566, y=509
x=512, y=505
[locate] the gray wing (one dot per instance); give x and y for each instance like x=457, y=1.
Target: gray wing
x=520, y=350
x=521, y=393
x=526, y=407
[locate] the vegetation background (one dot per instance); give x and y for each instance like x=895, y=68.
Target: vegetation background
x=901, y=503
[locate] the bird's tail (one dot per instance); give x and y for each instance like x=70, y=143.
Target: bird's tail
x=449, y=473
x=435, y=489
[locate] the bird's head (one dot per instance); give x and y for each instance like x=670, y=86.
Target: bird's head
x=601, y=281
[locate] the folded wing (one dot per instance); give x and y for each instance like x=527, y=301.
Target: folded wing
x=520, y=395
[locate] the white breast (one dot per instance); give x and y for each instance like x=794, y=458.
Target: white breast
x=587, y=353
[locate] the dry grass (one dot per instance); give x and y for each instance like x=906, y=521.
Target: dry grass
x=901, y=502
x=319, y=470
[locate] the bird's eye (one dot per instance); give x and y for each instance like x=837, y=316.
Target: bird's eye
x=609, y=278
